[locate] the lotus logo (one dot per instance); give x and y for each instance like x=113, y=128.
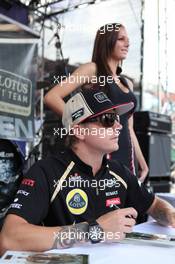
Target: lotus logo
x=77, y=201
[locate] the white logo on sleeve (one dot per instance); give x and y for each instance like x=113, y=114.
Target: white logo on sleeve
x=23, y=192
x=140, y=183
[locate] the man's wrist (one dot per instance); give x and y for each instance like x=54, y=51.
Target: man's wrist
x=96, y=233
x=68, y=236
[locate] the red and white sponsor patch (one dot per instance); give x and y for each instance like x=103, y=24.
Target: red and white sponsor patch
x=113, y=201
x=28, y=182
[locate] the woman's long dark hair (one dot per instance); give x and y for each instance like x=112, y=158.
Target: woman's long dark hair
x=104, y=43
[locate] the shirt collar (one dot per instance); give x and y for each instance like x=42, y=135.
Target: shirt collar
x=82, y=165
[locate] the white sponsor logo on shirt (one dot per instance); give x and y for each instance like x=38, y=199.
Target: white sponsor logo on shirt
x=23, y=192
x=111, y=193
x=15, y=205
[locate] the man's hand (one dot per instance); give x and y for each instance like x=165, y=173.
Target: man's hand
x=118, y=222
x=163, y=212
x=171, y=217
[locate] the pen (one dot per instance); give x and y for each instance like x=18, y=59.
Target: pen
x=117, y=207
x=114, y=205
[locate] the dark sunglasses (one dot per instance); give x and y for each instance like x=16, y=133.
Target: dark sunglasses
x=106, y=119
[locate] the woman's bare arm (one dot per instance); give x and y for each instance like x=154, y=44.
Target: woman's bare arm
x=54, y=98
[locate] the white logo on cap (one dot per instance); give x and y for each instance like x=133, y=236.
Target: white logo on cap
x=101, y=97
x=77, y=114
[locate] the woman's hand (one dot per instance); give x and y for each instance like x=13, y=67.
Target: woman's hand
x=143, y=171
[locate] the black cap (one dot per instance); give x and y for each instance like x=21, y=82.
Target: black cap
x=89, y=103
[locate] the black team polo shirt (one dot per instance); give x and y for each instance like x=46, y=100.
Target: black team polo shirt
x=81, y=196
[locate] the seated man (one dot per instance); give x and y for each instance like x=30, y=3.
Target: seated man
x=78, y=195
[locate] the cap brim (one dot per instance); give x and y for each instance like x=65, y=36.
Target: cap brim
x=120, y=109
x=124, y=108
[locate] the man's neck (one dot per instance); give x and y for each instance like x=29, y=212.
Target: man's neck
x=90, y=157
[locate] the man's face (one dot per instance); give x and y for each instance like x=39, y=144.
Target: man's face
x=102, y=133
x=6, y=170
x=10, y=171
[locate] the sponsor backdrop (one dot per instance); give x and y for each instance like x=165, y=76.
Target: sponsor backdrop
x=18, y=68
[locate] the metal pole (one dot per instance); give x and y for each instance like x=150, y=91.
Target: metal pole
x=142, y=51
x=159, y=71
x=166, y=48
x=42, y=90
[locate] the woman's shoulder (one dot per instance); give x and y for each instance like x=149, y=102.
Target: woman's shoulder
x=89, y=67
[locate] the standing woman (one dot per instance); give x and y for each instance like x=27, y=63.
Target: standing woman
x=110, y=49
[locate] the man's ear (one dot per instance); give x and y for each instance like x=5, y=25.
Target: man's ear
x=78, y=131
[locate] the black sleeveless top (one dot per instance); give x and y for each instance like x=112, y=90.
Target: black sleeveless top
x=125, y=152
